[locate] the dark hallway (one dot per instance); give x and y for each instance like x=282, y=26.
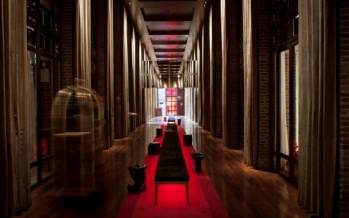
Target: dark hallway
x=178, y=108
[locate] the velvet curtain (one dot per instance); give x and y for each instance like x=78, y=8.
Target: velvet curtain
x=14, y=111
x=83, y=41
x=317, y=102
x=249, y=90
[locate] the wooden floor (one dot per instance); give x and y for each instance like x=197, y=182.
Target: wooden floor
x=244, y=191
x=251, y=193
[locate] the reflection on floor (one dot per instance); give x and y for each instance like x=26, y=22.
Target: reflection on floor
x=203, y=200
x=246, y=192
x=243, y=191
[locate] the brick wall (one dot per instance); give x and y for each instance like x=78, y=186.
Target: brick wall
x=344, y=108
x=262, y=21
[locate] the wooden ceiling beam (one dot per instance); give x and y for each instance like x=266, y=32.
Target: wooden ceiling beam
x=168, y=32
x=168, y=56
x=168, y=17
x=169, y=49
x=169, y=62
x=169, y=42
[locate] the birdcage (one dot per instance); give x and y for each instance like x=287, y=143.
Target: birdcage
x=78, y=140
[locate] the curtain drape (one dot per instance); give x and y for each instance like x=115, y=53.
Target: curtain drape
x=110, y=73
x=15, y=126
x=125, y=74
x=83, y=41
x=4, y=155
x=317, y=102
x=249, y=84
x=226, y=95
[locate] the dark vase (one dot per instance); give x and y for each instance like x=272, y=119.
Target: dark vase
x=188, y=140
x=198, y=157
x=158, y=132
x=137, y=173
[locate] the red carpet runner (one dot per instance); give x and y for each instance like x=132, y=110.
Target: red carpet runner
x=204, y=201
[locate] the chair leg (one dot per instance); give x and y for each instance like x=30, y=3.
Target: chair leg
x=187, y=191
x=156, y=193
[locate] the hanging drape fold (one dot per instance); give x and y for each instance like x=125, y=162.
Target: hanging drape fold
x=317, y=102
x=250, y=135
x=14, y=111
x=4, y=157
x=83, y=41
x=110, y=121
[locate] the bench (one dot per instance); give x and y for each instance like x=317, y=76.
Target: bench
x=154, y=148
x=171, y=167
x=171, y=119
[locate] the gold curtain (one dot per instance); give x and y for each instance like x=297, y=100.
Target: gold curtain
x=126, y=67
x=110, y=73
x=317, y=102
x=15, y=113
x=83, y=41
x=225, y=78
x=249, y=89
x=4, y=154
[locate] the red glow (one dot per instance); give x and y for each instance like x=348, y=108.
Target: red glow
x=172, y=195
x=172, y=24
x=203, y=200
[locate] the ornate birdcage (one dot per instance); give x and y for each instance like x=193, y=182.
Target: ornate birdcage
x=78, y=140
